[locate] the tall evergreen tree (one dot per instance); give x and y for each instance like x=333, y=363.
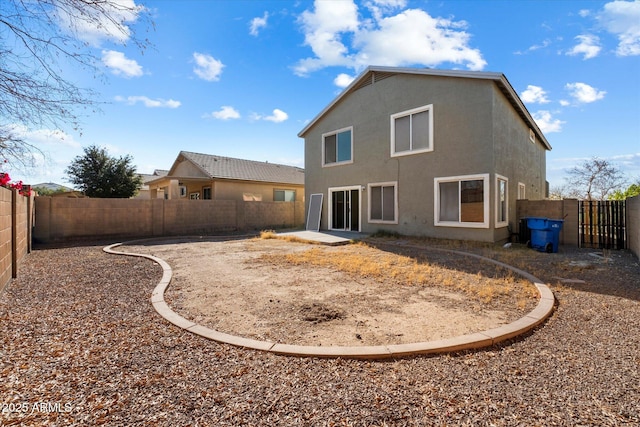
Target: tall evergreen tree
x=99, y=175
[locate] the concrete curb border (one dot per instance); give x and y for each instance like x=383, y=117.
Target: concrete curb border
x=477, y=340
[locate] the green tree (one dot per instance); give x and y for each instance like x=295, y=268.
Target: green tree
x=97, y=174
x=38, y=40
x=594, y=179
x=632, y=191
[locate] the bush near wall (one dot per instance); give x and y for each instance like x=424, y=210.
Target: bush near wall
x=65, y=219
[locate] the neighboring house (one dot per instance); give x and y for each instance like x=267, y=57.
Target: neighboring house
x=144, y=192
x=425, y=152
x=205, y=176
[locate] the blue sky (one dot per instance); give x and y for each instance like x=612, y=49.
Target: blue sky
x=242, y=78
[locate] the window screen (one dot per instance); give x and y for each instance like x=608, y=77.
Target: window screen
x=330, y=149
x=402, y=129
x=449, y=201
x=383, y=203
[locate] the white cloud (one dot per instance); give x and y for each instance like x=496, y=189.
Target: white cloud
x=277, y=116
x=535, y=47
x=226, y=112
x=588, y=45
x=622, y=18
x=121, y=65
x=338, y=37
x=258, y=23
x=148, y=102
x=343, y=80
x=534, y=94
x=583, y=93
x=40, y=137
x=546, y=122
x=113, y=24
x=564, y=103
x=414, y=37
x=207, y=67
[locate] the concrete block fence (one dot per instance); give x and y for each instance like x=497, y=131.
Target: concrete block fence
x=67, y=219
x=16, y=220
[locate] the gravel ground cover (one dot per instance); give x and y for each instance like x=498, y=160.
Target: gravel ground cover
x=82, y=345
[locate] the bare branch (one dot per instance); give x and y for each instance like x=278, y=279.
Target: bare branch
x=37, y=39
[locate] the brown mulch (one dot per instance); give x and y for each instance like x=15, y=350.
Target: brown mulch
x=82, y=345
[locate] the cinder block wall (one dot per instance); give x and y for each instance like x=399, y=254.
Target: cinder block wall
x=5, y=237
x=633, y=224
x=60, y=219
x=568, y=210
x=15, y=235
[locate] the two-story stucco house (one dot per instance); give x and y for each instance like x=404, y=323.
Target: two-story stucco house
x=424, y=152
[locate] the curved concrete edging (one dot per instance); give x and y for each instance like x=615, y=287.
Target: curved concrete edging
x=463, y=342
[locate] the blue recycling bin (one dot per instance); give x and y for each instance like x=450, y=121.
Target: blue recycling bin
x=545, y=233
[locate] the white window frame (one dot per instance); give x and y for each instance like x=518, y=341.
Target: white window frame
x=505, y=221
x=336, y=163
x=410, y=152
x=522, y=191
x=393, y=184
x=485, y=199
x=194, y=195
x=532, y=136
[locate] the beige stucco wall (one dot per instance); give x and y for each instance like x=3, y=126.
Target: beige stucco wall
x=475, y=132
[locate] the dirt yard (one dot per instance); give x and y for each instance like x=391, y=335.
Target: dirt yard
x=304, y=294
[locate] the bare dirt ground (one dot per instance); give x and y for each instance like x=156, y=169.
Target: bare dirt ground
x=79, y=336
x=261, y=289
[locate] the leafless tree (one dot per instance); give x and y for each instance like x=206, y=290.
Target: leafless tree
x=595, y=179
x=38, y=38
x=561, y=192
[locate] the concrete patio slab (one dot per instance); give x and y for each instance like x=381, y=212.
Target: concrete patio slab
x=332, y=238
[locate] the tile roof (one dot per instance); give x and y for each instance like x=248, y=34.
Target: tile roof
x=246, y=170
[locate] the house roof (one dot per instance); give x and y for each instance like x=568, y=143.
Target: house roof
x=376, y=73
x=219, y=167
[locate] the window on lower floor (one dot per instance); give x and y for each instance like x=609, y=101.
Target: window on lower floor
x=383, y=202
x=284, y=195
x=462, y=201
x=206, y=193
x=194, y=196
x=502, y=199
x=522, y=191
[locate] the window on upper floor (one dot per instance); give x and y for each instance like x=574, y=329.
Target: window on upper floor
x=462, y=201
x=412, y=131
x=337, y=147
